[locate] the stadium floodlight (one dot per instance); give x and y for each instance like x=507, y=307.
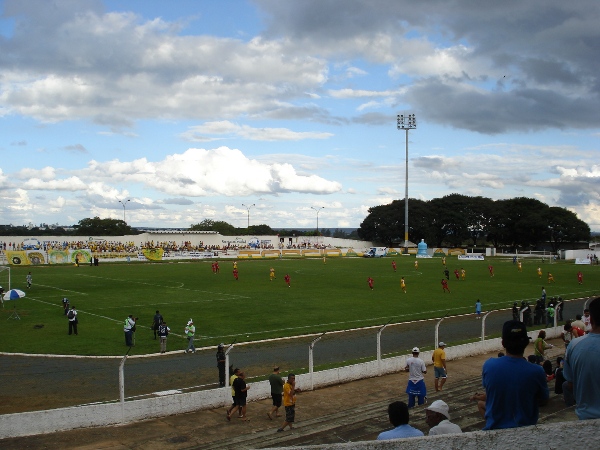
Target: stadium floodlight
x=406, y=122
x=248, y=208
x=318, y=210
x=124, y=202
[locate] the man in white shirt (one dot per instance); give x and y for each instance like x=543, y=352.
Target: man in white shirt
x=416, y=388
x=438, y=419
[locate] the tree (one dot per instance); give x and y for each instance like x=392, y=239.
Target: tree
x=217, y=226
x=261, y=230
x=564, y=226
x=103, y=227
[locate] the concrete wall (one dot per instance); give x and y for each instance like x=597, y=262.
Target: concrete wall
x=40, y=422
x=578, y=435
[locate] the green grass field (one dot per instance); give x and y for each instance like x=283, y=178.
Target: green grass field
x=322, y=297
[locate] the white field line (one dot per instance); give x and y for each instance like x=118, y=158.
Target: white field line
x=282, y=329
x=82, y=311
x=235, y=296
x=60, y=289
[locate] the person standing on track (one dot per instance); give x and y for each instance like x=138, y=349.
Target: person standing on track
x=276, y=383
x=289, y=402
x=221, y=364
x=416, y=388
x=439, y=366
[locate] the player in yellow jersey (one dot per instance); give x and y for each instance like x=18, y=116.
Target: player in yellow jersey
x=403, y=285
x=539, y=272
x=416, y=264
x=271, y=274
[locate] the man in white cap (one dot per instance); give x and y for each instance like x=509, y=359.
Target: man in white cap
x=437, y=416
x=439, y=366
x=415, y=367
x=190, y=331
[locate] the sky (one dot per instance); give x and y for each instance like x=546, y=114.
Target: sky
x=285, y=113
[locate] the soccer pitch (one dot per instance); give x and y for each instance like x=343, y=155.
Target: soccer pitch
x=322, y=297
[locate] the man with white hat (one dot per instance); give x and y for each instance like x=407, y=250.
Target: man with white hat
x=415, y=367
x=190, y=331
x=437, y=416
x=439, y=366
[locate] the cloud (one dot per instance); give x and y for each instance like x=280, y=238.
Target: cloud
x=221, y=171
x=198, y=133
x=76, y=148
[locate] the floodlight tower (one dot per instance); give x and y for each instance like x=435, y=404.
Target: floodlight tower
x=406, y=122
x=248, y=208
x=124, y=202
x=318, y=210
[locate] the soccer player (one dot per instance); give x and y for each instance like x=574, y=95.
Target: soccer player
x=539, y=272
x=463, y=274
x=235, y=274
x=580, y=277
x=520, y=266
x=416, y=264
x=271, y=274
x=478, y=309
x=403, y=285
x=444, y=260
x=447, y=273
x=491, y=269
x=370, y=281
x=29, y=280
x=287, y=279
x=456, y=274
x=213, y=267
x=235, y=264
x=217, y=269
x=394, y=265
x=445, y=286
x=550, y=278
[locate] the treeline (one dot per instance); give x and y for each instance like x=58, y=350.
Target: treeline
x=111, y=227
x=85, y=227
x=227, y=229
x=459, y=220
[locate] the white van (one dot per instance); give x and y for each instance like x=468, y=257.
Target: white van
x=375, y=252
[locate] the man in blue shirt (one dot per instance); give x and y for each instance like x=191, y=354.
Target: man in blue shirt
x=582, y=366
x=514, y=387
x=398, y=414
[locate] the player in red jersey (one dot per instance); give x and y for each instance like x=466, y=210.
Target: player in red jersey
x=445, y=285
x=370, y=281
x=394, y=265
x=287, y=279
x=491, y=269
x=235, y=274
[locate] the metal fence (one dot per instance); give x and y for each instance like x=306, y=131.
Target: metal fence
x=32, y=383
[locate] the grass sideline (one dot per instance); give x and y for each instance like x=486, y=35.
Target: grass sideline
x=322, y=297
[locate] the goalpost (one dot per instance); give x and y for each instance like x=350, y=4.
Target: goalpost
x=4, y=281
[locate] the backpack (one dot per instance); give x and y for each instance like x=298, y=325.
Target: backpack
x=71, y=314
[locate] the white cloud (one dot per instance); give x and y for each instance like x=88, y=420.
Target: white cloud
x=224, y=127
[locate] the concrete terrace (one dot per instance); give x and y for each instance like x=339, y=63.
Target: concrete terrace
x=333, y=416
